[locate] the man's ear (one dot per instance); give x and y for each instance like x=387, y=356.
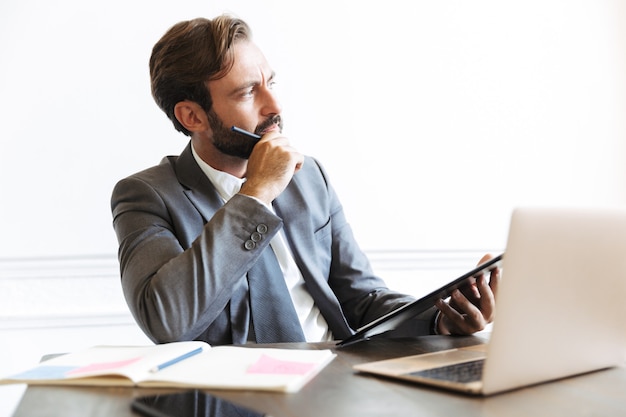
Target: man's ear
x=191, y=116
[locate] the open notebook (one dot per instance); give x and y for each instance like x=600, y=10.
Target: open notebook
x=188, y=364
x=560, y=308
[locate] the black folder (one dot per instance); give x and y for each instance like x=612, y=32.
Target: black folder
x=392, y=320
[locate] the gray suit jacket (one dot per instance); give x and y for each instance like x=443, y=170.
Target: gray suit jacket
x=183, y=253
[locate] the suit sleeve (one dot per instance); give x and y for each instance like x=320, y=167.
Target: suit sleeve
x=175, y=281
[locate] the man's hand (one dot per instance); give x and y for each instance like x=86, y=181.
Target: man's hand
x=470, y=311
x=271, y=166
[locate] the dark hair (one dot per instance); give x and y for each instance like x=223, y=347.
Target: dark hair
x=190, y=54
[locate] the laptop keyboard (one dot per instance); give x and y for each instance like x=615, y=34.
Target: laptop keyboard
x=460, y=372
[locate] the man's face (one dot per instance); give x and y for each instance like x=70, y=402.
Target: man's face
x=243, y=98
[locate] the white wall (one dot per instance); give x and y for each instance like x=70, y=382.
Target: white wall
x=449, y=113
x=434, y=120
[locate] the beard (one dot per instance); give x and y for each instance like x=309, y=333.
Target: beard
x=233, y=143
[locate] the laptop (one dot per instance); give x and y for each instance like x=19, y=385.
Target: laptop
x=560, y=308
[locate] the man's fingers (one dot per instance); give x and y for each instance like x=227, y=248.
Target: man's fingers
x=487, y=299
x=494, y=280
x=463, y=318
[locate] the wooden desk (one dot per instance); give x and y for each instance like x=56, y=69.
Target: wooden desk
x=339, y=391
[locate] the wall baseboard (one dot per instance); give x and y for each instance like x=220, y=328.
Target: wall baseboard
x=84, y=291
x=61, y=292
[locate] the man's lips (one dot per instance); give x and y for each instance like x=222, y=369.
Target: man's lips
x=271, y=128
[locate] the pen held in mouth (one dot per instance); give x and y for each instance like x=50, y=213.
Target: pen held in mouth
x=245, y=133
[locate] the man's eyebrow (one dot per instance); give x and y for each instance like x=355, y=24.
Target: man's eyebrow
x=252, y=83
x=244, y=87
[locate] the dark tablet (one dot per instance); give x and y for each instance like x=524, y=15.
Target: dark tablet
x=392, y=320
x=193, y=403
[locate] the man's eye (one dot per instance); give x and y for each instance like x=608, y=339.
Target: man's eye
x=271, y=84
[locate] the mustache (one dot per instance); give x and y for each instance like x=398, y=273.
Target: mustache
x=274, y=120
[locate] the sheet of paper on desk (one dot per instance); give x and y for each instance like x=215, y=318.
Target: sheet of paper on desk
x=221, y=367
x=247, y=368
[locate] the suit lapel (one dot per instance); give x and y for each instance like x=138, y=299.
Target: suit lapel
x=197, y=187
x=289, y=206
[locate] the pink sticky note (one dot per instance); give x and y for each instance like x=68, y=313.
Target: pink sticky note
x=268, y=365
x=103, y=366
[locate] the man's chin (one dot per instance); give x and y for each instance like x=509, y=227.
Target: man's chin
x=242, y=152
x=235, y=154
